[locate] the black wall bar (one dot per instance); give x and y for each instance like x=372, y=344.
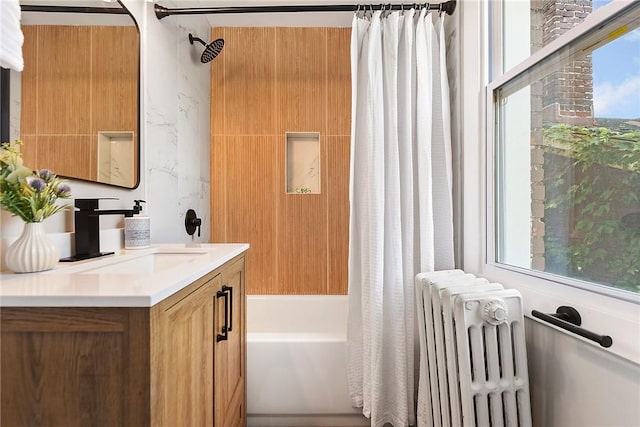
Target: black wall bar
x=448, y=7
x=569, y=319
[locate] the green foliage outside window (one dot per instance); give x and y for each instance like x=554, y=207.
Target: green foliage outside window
x=592, y=204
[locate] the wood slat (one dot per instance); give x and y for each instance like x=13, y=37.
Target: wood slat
x=61, y=153
x=337, y=186
x=29, y=80
x=114, y=79
x=301, y=80
x=29, y=150
x=219, y=212
x=302, y=244
x=64, y=86
x=338, y=81
x=252, y=196
x=249, y=93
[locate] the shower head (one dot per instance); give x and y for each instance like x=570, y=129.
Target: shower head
x=211, y=50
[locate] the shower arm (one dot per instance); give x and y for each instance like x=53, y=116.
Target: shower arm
x=193, y=38
x=161, y=12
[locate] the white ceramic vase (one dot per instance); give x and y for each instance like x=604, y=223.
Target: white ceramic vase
x=33, y=251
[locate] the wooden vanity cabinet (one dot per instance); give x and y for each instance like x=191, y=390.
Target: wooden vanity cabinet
x=106, y=366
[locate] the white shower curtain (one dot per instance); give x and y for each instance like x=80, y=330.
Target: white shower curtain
x=401, y=201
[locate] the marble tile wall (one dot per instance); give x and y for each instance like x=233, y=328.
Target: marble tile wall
x=177, y=125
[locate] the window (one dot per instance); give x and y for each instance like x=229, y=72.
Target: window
x=565, y=119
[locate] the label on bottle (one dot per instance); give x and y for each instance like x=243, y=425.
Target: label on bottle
x=137, y=232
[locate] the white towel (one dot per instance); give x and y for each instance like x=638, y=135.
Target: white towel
x=11, y=37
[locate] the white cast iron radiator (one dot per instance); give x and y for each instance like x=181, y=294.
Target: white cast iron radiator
x=473, y=362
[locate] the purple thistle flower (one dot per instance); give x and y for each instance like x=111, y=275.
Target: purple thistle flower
x=46, y=174
x=36, y=183
x=63, y=190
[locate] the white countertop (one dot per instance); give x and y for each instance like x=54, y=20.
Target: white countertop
x=82, y=284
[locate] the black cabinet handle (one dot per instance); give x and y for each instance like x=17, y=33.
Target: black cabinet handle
x=569, y=319
x=226, y=288
x=224, y=335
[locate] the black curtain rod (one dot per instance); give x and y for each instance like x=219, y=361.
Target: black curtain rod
x=73, y=9
x=448, y=7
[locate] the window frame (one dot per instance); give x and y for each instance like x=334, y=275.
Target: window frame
x=605, y=310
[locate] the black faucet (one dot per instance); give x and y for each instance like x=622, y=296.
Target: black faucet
x=87, y=227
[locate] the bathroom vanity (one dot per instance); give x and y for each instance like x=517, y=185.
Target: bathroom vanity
x=147, y=337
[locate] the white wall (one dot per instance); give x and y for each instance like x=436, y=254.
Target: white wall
x=174, y=135
x=573, y=382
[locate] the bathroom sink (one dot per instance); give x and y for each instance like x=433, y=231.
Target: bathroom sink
x=147, y=264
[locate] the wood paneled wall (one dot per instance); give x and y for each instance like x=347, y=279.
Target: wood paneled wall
x=268, y=81
x=77, y=81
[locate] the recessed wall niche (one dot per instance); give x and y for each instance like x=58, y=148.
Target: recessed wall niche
x=302, y=165
x=115, y=157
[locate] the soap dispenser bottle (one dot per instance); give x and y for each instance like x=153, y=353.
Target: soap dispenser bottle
x=137, y=229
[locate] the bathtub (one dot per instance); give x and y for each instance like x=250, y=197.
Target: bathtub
x=296, y=362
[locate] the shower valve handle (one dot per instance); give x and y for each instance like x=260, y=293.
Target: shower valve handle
x=192, y=222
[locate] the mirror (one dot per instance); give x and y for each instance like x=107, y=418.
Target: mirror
x=76, y=103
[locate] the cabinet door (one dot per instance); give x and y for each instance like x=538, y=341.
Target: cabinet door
x=74, y=366
x=230, y=366
x=186, y=367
